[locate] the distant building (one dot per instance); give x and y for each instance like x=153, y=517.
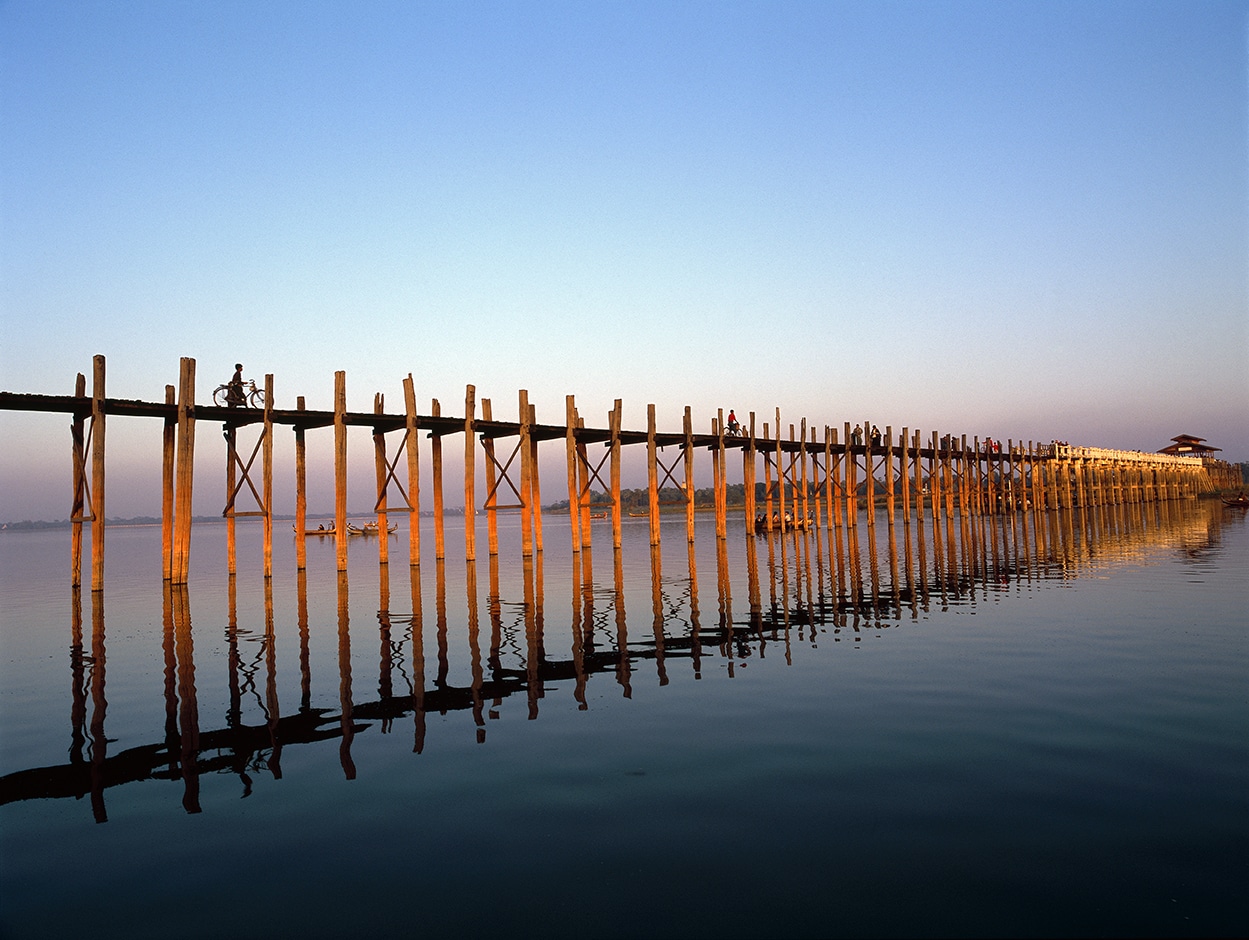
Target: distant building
x=1188, y=446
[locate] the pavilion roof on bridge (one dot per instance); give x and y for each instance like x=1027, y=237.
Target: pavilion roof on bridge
x=1187, y=444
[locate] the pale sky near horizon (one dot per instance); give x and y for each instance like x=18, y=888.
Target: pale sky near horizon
x=1023, y=220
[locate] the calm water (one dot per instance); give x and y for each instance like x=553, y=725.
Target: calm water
x=1035, y=726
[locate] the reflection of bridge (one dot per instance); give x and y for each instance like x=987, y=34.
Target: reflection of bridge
x=815, y=477
x=815, y=584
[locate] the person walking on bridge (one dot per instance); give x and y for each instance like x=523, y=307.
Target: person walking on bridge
x=234, y=397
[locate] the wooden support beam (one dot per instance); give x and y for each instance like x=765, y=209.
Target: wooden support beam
x=266, y=469
x=889, y=495
x=168, y=462
x=231, y=436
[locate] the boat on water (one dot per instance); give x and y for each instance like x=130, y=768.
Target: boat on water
x=598, y=515
x=1239, y=501
x=320, y=530
x=369, y=528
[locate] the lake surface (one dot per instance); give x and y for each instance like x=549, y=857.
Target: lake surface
x=1033, y=725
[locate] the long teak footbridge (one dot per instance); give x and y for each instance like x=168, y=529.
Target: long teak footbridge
x=809, y=480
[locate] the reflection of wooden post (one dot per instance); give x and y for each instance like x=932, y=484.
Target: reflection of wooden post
x=652, y=475
x=526, y=520
x=97, y=474
x=168, y=450
x=492, y=498
x=301, y=493
x=615, y=473
x=379, y=465
x=340, y=468
x=79, y=504
x=266, y=457
x=435, y=449
x=470, y=473
x=688, y=427
x=185, y=471
x=570, y=453
x=414, y=472
x=535, y=486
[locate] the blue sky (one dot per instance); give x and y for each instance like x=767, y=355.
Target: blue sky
x=1024, y=220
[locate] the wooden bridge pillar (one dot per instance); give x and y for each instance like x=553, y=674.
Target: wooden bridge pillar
x=340, y=469
x=185, y=471
x=652, y=475
x=412, y=445
x=687, y=425
x=526, y=471
x=614, y=420
x=168, y=457
x=380, y=473
x=888, y=467
x=570, y=453
x=470, y=474
x=435, y=450
x=301, y=492
x=97, y=474
x=535, y=486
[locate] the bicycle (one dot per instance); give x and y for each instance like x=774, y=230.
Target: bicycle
x=252, y=397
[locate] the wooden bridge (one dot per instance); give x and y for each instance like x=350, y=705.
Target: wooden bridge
x=809, y=479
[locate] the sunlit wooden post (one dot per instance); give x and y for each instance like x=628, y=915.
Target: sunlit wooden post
x=717, y=456
x=266, y=458
x=97, y=474
x=688, y=427
x=583, y=489
x=904, y=473
x=379, y=469
x=492, y=498
x=802, y=462
x=414, y=471
x=615, y=473
x=570, y=455
x=79, y=505
x=889, y=472
x=749, y=470
x=435, y=450
x=231, y=436
x=301, y=492
x=168, y=462
x=780, y=473
x=767, y=481
x=652, y=475
x=919, y=477
x=526, y=469
x=535, y=482
x=470, y=474
x=852, y=496
x=340, y=469
x=185, y=470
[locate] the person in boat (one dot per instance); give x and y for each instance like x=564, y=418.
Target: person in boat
x=234, y=394
x=733, y=427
